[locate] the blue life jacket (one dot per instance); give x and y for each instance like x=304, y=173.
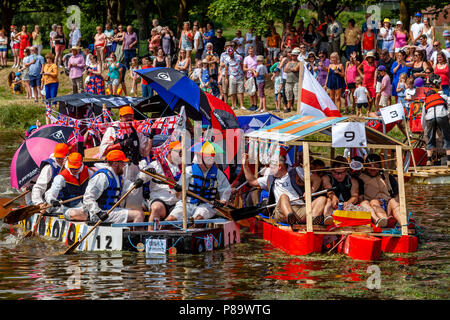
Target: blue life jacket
x=111, y=194
x=55, y=169
x=292, y=177
x=204, y=187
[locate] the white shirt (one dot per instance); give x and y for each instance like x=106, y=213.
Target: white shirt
x=97, y=185
x=416, y=28
x=438, y=111
x=239, y=41
x=388, y=32
x=283, y=186
x=410, y=93
x=160, y=190
x=40, y=187
x=198, y=36
x=361, y=94
x=74, y=37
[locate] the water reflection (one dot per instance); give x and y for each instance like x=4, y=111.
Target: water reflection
x=34, y=269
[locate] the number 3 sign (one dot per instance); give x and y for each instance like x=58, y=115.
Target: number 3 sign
x=392, y=113
x=348, y=135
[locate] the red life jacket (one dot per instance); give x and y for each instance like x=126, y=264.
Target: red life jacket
x=73, y=186
x=433, y=100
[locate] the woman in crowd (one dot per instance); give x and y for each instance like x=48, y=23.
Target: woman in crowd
x=3, y=49
x=37, y=39
x=418, y=66
x=398, y=67
x=186, y=39
x=15, y=45
x=113, y=74
x=99, y=47
x=96, y=83
x=24, y=38
x=352, y=37
x=184, y=62
x=351, y=72
x=400, y=37
x=442, y=69
x=428, y=30
x=118, y=39
x=367, y=71
x=168, y=44
x=50, y=76
x=368, y=41
x=26, y=72
x=311, y=39
x=60, y=45
x=322, y=68
x=161, y=60
x=335, y=79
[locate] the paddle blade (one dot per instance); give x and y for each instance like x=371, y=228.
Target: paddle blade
x=72, y=248
x=4, y=211
x=21, y=214
x=246, y=212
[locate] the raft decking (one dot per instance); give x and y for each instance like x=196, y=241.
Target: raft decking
x=217, y=234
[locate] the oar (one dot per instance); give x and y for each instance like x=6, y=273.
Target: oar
x=248, y=212
x=3, y=211
x=223, y=212
x=77, y=243
x=25, y=212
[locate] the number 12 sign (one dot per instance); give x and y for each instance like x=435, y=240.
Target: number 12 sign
x=348, y=135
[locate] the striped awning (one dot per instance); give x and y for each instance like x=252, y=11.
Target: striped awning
x=298, y=127
x=295, y=127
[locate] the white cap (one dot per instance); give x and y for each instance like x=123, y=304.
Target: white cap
x=399, y=22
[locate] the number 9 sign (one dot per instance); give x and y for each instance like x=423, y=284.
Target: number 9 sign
x=348, y=135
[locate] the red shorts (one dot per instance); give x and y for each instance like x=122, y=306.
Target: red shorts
x=16, y=45
x=59, y=47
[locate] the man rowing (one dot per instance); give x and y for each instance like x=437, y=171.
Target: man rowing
x=205, y=179
x=345, y=188
x=105, y=188
x=380, y=193
x=69, y=183
x=284, y=186
x=50, y=168
x=162, y=197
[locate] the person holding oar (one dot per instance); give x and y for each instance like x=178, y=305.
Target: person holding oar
x=163, y=196
x=206, y=180
x=50, y=168
x=105, y=188
x=285, y=185
x=70, y=182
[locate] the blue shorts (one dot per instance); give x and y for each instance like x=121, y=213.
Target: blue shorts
x=3, y=49
x=388, y=45
x=35, y=81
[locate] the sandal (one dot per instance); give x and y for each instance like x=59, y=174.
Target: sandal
x=381, y=223
x=292, y=219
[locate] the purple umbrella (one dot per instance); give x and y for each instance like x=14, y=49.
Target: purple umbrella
x=37, y=147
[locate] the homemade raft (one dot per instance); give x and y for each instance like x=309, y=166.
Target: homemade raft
x=218, y=234
x=360, y=242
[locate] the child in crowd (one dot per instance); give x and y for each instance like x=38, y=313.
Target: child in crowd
x=15, y=82
x=410, y=91
x=134, y=76
x=362, y=96
x=401, y=87
x=147, y=91
x=197, y=73
x=205, y=79
x=276, y=78
x=260, y=73
x=351, y=72
x=386, y=88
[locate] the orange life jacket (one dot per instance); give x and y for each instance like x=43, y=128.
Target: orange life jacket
x=433, y=100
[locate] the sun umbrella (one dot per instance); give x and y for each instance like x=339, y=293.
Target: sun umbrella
x=37, y=147
x=176, y=89
x=222, y=116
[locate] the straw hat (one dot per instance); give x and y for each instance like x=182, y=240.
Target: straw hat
x=370, y=54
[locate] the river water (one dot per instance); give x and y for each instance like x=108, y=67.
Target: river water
x=34, y=269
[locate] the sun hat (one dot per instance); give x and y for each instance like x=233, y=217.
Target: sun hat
x=116, y=155
x=386, y=20
x=126, y=110
x=296, y=51
x=75, y=160
x=399, y=22
x=370, y=54
x=61, y=150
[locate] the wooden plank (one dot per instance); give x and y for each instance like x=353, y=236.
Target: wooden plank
x=401, y=191
x=307, y=169
x=328, y=144
x=183, y=179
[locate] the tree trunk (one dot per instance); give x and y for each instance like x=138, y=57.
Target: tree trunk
x=111, y=11
x=142, y=8
x=121, y=6
x=294, y=11
x=404, y=14
x=8, y=11
x=183, y=14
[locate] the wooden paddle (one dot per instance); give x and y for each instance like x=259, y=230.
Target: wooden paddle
x=222, y=211
x=248, y=212
x=25, y=212
x=77, y=243
x=3, y=207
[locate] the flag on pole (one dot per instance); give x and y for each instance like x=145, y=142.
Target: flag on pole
x=314, y=99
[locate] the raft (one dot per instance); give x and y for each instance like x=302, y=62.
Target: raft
x=429, y=175
x=218, y=234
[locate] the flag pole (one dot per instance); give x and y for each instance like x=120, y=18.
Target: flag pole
x=300, y=86
x=183, y=179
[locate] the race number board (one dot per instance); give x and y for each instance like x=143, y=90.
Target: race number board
x=348, y=135
x=392, y=113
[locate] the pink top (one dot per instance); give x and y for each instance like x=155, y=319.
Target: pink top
x=369, y=74
x=100, y=39
x=400, y=39
x=443, y=73
x=351, y=73
x=386, y=82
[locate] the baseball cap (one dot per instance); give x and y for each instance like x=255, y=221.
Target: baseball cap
x=175, y=145
x=446, y=33
x=399, y=22
x=75, y=160
x=126, y=110
x=418, y=82
x=61, y=150
x=418, y=14
x=381, y=68
x=116, y=155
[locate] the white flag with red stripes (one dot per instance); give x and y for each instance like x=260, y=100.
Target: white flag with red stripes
x=315, y=100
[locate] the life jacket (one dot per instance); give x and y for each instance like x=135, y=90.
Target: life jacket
x=55, y=169
x=292, y=177
x=433, y=100
x=132, y=153
x=205, y=187
x=111, y=194
x=74, y=187
x=343, y=189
